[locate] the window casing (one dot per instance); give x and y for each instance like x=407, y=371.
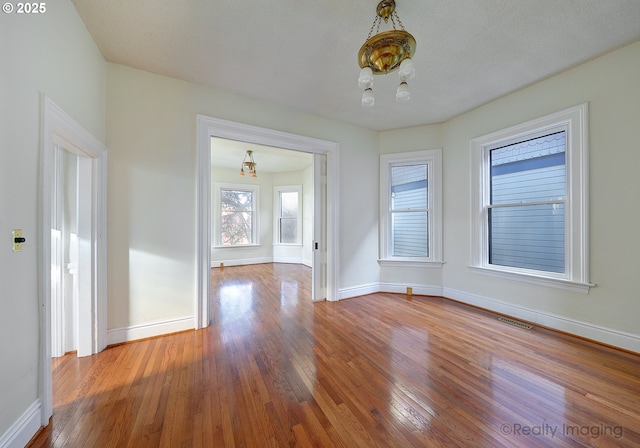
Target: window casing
x=236, y=215
x=410, y=209
x=288, y=215
x=530, y=201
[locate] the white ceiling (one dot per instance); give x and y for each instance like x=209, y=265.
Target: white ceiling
x=230, y=154
x=303, y=54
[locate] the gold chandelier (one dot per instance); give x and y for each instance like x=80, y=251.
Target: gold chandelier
x=250, y=164
x=386, y=52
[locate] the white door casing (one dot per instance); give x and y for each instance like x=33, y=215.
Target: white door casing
x=59, y=129
x=207, y=127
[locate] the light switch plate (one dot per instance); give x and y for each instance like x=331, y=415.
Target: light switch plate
x=17, y=233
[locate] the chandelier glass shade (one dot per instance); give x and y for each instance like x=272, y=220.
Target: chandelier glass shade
x=385, y=52
x=249, y=164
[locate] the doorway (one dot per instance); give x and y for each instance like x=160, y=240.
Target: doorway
x=270, y=215
x=63, y=138
x=208, y=127
x=65, y=212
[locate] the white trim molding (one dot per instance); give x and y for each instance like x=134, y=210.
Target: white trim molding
x=207, y=127
x=242, y=261
x=149, y=330
x=20, y=433
x=616, y=338
x=397, y=288
x=433, y=161
x=60, y=129
x=574, y=121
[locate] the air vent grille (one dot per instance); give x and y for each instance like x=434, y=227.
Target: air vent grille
x=515, y=323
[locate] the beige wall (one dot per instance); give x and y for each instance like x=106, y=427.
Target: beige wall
x=611, y=86
x=49, y=54
x=152, y=189
x=150, y=132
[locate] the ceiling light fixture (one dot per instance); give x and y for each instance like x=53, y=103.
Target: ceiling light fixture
x=386, y=52
x=250, y=164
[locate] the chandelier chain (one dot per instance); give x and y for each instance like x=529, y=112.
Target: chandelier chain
x=373, y=25
x=395, y=14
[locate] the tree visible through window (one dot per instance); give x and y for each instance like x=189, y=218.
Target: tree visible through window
x=236, y=217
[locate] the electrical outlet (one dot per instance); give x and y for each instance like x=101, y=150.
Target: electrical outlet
x=409, y=290
x=17, y=240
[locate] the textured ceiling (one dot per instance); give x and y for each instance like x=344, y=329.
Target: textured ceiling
x=304, y=54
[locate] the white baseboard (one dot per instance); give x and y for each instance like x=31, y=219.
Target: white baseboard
x=355, y=291
x=23, y=429
x=149, y=330
x=246, y=261
x=608, y=336
x=425, y=290
x=371, y=288
x=241, y=261
x=291, y=260
x=616, y=338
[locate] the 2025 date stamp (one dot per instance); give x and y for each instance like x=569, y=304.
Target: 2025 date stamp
x=24, y=8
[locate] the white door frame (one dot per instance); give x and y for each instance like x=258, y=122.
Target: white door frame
x=60, y=129
x=319, y=243
x=207, y=127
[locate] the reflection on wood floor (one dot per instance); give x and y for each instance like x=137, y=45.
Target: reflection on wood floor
x=275, y=370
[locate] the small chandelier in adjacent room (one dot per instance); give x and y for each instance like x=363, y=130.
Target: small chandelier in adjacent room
x=386, y=52
x=249, y=164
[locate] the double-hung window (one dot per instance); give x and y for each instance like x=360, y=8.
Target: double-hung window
x=529, y=213
x=288, y=215
x=235, y=217
x=410, y=208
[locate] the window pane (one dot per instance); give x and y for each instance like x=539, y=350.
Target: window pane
x=529, y=171
x=409, y=187
x=236, y=227
x=409, y=234
x=528, y=236
x=289, y=204
x=288, y=230
x=236, y=200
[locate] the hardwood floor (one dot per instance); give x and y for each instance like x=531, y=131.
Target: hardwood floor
x=275, y=370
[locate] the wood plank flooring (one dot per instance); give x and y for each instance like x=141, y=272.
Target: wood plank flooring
x=275, y=370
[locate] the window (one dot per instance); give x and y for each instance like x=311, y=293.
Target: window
x=410, y=208
x=288, y=214
x=530, y=202
x=236, y=215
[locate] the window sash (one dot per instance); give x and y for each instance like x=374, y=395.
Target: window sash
x=410, y=208
x=573, y=122
x=236, y=217
x=288, y=215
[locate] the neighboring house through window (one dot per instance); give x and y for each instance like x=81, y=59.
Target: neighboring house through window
x=410, y=208
x=530, y=201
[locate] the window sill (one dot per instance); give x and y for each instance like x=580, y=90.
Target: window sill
x=239, y=246
x=411, y=264
x=287, y=245
x=539, y=280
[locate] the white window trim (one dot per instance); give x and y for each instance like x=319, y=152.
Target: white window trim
x=255, y=189
x=576, y=276
x=433, y=158
x=276, y=214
